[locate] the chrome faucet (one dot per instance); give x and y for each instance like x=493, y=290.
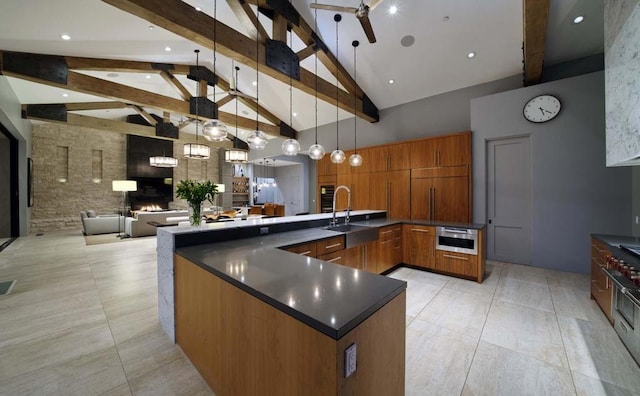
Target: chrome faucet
x=335, y=193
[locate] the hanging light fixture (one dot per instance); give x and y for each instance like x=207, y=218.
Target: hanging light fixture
x=257, y=140
x=273, y=182
x=355, y=159
x=163, y=162
x=214, y=129
x=290, y=147
x=337, y=155
x=236, y=155
x=316, y=151
x=195, y=150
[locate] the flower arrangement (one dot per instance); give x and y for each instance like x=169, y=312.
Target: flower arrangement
x=195, y=193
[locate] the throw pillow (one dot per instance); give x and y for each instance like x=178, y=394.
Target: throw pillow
x=91, y=213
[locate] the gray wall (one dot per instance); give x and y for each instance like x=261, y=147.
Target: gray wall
x=5, y=190
x=573, y=193
x=10, y=117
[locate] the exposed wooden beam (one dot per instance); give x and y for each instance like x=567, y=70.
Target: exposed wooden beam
x=279, y=28
x=113, y=65
x=182, y=19
x=307, y=52
x=224, y=101
x=536, y=16
x=78, y=106
x=122, y=93
x=173, y=81
x=147, y=117
x=245, y=15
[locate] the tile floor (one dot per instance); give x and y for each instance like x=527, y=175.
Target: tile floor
x=82, y=320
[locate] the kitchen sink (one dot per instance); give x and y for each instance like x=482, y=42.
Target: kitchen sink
x=355, y=234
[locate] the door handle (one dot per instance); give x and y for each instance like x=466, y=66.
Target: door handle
x=489, y=221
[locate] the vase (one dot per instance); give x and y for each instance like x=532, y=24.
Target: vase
x=195, y=213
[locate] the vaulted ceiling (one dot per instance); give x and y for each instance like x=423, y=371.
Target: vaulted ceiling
x=423, y=48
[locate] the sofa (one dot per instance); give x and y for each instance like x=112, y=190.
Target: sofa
x=138, y=226
x=103, y=224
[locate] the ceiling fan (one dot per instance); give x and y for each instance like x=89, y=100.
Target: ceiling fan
x=362, y=13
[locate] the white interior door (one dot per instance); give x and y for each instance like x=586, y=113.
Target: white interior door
x=293, y=196
x=509, y=200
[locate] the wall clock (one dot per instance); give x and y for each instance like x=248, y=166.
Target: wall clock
x=541, y=108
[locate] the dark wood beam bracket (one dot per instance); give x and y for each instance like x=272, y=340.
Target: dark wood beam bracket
x=44, y=67
x=282, y=58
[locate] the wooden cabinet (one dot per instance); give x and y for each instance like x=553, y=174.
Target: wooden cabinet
x=391, y=191
x=441, y=195
x=385, y=158
x=329, y=245
x=601, y=289
x=344, y=167
x=240, y=191
x=456, y=263
x=418, y=245
x=389, y=248
x=337, y=257
x=451, y=150
x=305, y=249
x=325, y=167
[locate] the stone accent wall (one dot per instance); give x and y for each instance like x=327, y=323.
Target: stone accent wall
x=57, y=203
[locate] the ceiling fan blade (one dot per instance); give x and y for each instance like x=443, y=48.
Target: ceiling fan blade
x=373, y=4
x=238, y=93
x=351, y=10
x=368, y=29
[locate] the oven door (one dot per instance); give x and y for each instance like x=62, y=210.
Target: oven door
x=626, y=314
x=457, y=240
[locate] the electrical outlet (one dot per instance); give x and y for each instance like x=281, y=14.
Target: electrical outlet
x=350, y=360
x=264, y=230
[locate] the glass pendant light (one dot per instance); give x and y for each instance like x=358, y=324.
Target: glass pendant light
x=257, y=140
x=355, y=159
x=163, y=162
x=236, y=155
x=337, y=156
x=213, y=129
x=195, y=150
x=273, y=180
x=290, y=147
x=316, y=151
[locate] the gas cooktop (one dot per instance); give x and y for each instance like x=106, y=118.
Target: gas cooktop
x=635, y=250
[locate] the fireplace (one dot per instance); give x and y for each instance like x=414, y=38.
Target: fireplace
x=155, y=185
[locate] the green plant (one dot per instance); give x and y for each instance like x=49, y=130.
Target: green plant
x=195, y=193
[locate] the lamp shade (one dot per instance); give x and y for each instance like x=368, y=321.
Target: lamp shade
x=236, y=156
x=163, y=162
x=124, y=185
x=220, y=188
x=197, y=151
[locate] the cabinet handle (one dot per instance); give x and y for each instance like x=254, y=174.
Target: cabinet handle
x=333, y=260
x=385, y=242
x=597, y=248
x=332, y=246
x=305, y=253
x=437, y=157
x=386, y=232
x=433, y=204
x=388, y=198
x=595, y=284
x=419, y=230
x=455, y=257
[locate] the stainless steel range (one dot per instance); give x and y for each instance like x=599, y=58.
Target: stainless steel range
x=626, y=303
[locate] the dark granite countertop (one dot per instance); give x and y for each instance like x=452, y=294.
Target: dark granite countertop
x=331, y=298
x=384, y=222
x=614, y=242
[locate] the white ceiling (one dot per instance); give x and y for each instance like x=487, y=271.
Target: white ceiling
x=444, y=30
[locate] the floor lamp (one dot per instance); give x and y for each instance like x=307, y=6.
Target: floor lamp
x=124, y=186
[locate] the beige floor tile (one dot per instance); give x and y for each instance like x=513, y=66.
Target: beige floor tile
x=122, y=390
x=437, y=359
x=92, y=374
x=524, y=273
x=597, y=352
x=575, y=303
x=529, y=331
x=486, y=288
x=587, y=386
x=127, y=327
x=429, y=277
x=401, y=273
x=418, y=295
x=457, y=311
x=524, y=293
x=178, y=377
x=500, y=371
x=568, y=279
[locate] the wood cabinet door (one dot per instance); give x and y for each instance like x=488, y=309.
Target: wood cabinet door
x=399, y=156
x=360, y=191
x=398, y=193
x=379, y=191
x=342, y=196
x=454, y=150
x=421, y=192
x=326, y=167
x=456, y=263
x=423, y=153
x=344, y=167
x=421, y=246
x=450, y=199
x=374, y=159
x=353, y=257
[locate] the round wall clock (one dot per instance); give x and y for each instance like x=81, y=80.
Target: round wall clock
x=541, y=108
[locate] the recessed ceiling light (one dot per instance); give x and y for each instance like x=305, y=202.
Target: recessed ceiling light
x=64, y=95
x=471, y=55
x=151, y=27
x=578, y=19
x=445, y=18
x=392, y=81
x=245, y=112
x=198, y=8
x=112, y=75
x=65, y=37
x=167, y=48
x=393, y=9
x=254, y=83
x=407, y=41
x=147, y=76
x=295, y=114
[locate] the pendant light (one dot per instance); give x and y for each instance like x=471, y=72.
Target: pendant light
x=316, y=151
x=337, y=155
x=273, y=183
x=236, y=155
x=290, y=147
x=163, y=162
x=195, y=150
x=214, y=129
x=257, y=140
x=355, y=159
